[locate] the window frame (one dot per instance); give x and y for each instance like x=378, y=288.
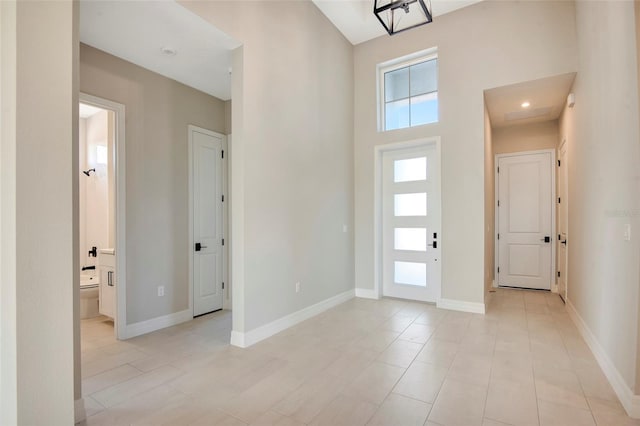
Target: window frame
x=396, y=64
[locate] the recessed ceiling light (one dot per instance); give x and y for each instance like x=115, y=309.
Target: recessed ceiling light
x=169, y=51
x=525, y=104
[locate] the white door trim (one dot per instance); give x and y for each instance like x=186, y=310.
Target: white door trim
x=190, y=129
x=121, y=198
x=554, y=205
x=565, y=201
x=379, y=150
x=227, y=299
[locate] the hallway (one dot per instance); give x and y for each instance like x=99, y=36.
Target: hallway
x=386, y=362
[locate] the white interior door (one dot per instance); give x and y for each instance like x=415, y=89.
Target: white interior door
x=411, y=223
x=563, y=218
x=525, y=220
x=207, y=220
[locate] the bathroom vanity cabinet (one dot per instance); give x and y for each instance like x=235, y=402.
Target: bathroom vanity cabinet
x=107, y=296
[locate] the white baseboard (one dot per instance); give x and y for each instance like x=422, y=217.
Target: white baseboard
x=244, y=340
x=144, y=327
x=629, y=400
x=237, y=339
x=79, y=411
x=367, y=293
x=462, y=306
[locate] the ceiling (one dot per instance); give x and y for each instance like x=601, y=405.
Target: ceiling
x=143, y=32
x=546, y=96
x=356, y=21
x=137, y=31
x=87, y=111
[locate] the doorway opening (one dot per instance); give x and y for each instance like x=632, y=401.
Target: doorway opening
x=101, y=212
x=408, y=220
x=522, y=138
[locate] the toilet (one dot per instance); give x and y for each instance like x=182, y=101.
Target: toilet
x=89, y=296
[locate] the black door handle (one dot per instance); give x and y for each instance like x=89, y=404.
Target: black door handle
x=199, y=246
x=546, y=239
x=563, y=242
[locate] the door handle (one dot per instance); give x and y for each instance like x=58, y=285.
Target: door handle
x=199, y=246
x=563, y=242
x=546, y=239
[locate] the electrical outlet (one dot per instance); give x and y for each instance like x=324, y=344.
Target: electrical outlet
x=627, y=232
x=298, y=287
x=160, y=291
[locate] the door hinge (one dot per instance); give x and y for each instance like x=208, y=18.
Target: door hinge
x=558, y=163
x=498, y=169
x=223, y=241
x=223, y=198
x=223, y=285
x=558, y=274
x=222, y=153
x=498, y=235
x=498, y=269
x=559, y=237
x=558, y=200
x=498, y=203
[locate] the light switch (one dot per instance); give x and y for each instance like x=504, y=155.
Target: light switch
x=627, y=232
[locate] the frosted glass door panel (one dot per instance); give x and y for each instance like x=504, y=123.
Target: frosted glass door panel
x=410, y=204
x=410, y=273
x=413, y=239
x=409, y=170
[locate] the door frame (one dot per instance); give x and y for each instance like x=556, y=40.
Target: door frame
x=378, y=198
x=565, y=146
x=226, y=300
x=553, y=285
x=120, y=320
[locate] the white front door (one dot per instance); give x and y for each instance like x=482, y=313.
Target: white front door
x=411, y=223
x=525, y=220
x=208, y=240
x=562, y=221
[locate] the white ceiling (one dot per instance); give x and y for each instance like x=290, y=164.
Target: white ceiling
x=356, y=21
x=547, y=97
x=87, y=111
x=137, y=31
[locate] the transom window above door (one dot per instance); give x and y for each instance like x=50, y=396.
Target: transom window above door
x=408, y=91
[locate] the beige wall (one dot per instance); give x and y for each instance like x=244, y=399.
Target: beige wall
x=489, y=204
x=292, y=157
x=487, y=45
x=604, y=182
x=38, y=193
x=227, y=117
x=527, y=137
x=158, y=111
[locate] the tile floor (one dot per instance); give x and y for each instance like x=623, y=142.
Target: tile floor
x=386, y=362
